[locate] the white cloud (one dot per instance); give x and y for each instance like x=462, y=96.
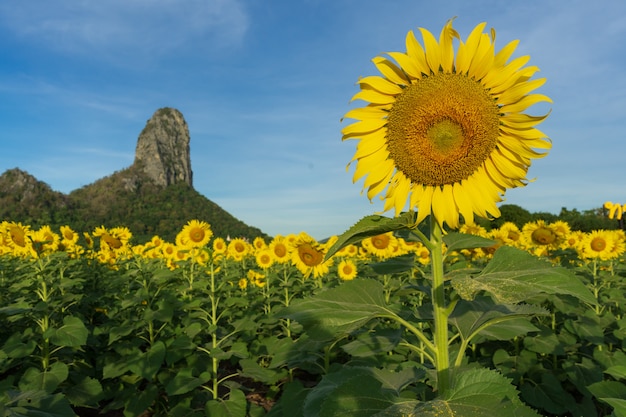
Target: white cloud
x=126, y=27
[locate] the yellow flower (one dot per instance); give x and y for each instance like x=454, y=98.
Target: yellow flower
x=445, y=132
x=381, y=245
x=242, y=284
x=281, y=249
x=238, y=249
x=346, y=270
x=219, y=245
x=308, y=257
x=194, y=234
x=597, y=244
x=264, y=258
x=540, y=235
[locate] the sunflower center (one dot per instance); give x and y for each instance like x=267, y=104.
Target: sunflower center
x=310, y=256
x=380, y=241
x=598, y=244
x=442, y=128
x=543, y=236
x=196, y=234
x=280, y=250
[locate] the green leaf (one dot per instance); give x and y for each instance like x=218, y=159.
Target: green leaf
x=349, y=392
x=149, y=363
x=617, y=371
x=33, y=404
x=456, y=241
x=16, y=348
x=291, y=401
x=137, y=404
x=514, y=275
x=184, y=381
x=85, y=392
x=545, y=342
x=618, y=404
x=251, y=369
x=235, y=406
x=480, y=316
x=373, y=343
x=476, y=393
x=73, y=333
x=369, y=226
x=395, y=265
x=548, y=395
x=339, y=310
x=47, y=381
x=608, y=389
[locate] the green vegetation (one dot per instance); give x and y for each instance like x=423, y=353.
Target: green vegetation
x=125, y=198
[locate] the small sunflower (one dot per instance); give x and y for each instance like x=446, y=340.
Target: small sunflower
x=445, y=132
x=238, y=248
x=280, y=249
x=194, y=234
x=219, y=245
x=346, y=270
x=264, y=258
x=597, y=244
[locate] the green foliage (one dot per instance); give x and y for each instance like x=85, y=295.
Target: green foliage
x=125, y=198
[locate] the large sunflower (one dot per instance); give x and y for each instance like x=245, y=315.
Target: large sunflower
x=445, y=131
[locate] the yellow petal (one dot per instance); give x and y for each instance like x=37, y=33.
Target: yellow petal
x=433, y=52
x=407, y=64
x=463, y=202
x=445, y=47
x=390, y=71
x=467, y=50
x=373, y=96
x=515, y=93
x=525, y=103
x=368, y=112
x=362, y=127
x=381, y=85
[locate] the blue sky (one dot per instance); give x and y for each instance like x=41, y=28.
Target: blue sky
x=263, y=85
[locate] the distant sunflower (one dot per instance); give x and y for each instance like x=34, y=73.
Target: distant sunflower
x=346, y=270
x=238, y=248
x=445, y=132
x=264, y=258
x=194, y=234
x=280, y=249
x=381, y=245
x=597, y=244
x=308, y=257
x=219, y=245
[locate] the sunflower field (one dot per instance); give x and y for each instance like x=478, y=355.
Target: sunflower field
x=95, y=325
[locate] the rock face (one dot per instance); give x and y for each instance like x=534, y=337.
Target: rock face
x=163, y=148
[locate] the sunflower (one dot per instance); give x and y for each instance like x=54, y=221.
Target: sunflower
x=540, y=236
x=597, y=244
x=445, y=132
x=308, y=257
x=219, y=245
x=238, y=248
x=381, y=245
x=264, y=258
x=194, y=234
x=280, y=249
x=346, y=270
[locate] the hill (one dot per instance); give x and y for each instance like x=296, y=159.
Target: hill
x=154, y=196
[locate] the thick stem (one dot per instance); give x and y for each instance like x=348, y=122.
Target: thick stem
x=440, y=313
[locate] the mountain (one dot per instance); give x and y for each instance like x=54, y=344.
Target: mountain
x=154, y=196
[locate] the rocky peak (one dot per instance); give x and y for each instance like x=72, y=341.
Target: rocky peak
x=163, y=148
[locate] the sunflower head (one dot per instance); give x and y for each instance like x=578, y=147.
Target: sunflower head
x=443, y=130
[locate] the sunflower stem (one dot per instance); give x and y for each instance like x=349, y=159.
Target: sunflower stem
x=440, y=313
